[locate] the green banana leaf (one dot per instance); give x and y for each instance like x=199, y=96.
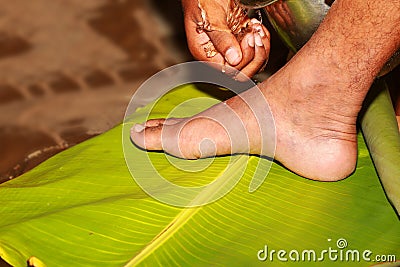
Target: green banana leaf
x=83, y=208
x=381, y=133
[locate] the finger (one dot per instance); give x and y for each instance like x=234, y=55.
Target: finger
x=274, y=13
x=254, y=67
x=214, y=12
x=264, y=34
x=262, y=48
x=196, y=41
x=226, y=43
x=247, y=46
x=258, y=61
x=285, y=13
x=220, y=35
x=266, y=40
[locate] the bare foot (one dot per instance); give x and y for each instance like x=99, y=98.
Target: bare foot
x=315, y=126
x=315, y=100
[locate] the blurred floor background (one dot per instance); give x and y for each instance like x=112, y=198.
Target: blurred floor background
x=69, y=68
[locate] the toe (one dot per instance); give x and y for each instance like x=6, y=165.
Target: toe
x=216, y=131
x=147, y=137
x=190, y=139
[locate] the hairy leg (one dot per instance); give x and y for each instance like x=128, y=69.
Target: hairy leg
x=315, y=98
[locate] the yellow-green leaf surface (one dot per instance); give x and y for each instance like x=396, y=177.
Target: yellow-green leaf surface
x=83, y=208
x=381, y=133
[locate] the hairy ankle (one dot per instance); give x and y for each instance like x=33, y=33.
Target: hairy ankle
x=315, y=121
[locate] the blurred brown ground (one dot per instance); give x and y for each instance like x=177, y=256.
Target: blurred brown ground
x=69, y=68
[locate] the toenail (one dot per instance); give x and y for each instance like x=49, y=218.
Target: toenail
x=138, y=128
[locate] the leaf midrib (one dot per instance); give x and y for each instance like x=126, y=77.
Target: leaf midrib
x=179, y=221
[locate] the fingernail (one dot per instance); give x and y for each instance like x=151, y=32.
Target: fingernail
x=260, y=31
x=138, y=128
x=232, y=56
x=250, y=40
x=255, y=21
x=257, y=39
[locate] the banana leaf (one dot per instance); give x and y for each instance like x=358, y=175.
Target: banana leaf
x=83, y=208
x=380, y=130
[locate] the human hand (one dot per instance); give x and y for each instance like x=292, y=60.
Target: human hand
x=240, y=43
x=282, y=14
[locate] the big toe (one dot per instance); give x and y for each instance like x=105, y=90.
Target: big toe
x=148, y=138
x=150, y=134
x=189, y=138
x=164, y=134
